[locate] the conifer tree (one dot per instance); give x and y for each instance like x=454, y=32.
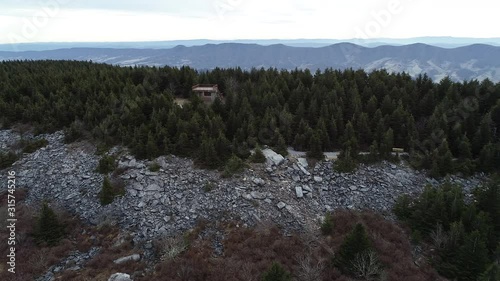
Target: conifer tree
x=276, y=273
x=315, y=150
x=106, y=196
x=387, y=144
x=48, y=229
x=281, y=146
x=492, y=273
x=355, y=243
x=445, y=159
x=258, y=156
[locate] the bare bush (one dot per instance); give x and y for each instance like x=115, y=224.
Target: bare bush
x=439, y=237
x=309, y=268
x=170, y=247
x=38, y=262
x=246, y=273
x=366, y=265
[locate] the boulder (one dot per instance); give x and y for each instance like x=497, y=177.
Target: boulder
x=304, y=170
x=134, y=257
x=258, y=181
x=299, y=192
x=153, y=188
x=272, y=157
x=303, y=162
x=120, y=277
x=257, y=195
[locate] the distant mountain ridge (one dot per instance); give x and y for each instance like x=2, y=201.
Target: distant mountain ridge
x=444, y=42
x=478, y=61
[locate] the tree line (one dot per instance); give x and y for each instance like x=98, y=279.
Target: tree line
x=445, y=126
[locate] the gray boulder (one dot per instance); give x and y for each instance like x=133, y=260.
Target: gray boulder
x=134, y=257
x=299, y=192
x=120, y=277
x=272, y=157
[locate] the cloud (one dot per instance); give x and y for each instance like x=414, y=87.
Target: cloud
x=131, y=20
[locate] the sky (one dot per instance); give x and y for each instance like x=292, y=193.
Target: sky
x=161, y=20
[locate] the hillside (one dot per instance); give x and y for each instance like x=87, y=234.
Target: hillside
x=116, y=180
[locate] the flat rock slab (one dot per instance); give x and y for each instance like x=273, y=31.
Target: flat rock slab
x=299, y=192
x=134, y=257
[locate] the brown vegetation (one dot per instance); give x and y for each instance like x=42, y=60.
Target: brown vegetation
x=246, y=252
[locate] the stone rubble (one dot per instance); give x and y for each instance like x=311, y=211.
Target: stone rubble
x=287, y=191
x=74, y=262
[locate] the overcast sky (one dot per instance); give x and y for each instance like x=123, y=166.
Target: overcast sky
x=157, y=20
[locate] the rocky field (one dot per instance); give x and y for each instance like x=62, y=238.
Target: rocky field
x=289, y=192
x=286, y=191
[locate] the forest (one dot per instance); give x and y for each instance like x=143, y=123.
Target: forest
x=446, y=127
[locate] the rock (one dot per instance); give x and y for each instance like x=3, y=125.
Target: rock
x=257, y=195
x=167, y=218
x=153, y=188
x=352, y=187
x=307, y=188
x=134, y=257
x=120, y=277
x=299, y=192
x=281, y=205
x=318, y=179
x=258, y=181
x=132, y=163
x=272, y=157
x=71, y=195
x=303, y=170
x=296, y=178
x=303, y=162
x=132, y=192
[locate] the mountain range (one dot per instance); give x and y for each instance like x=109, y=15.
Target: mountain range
x=478, y=61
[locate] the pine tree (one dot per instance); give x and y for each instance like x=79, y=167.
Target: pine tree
x=258, y=156
x=445, y=159
x=387, y=144
x=374, y=152
x=276, y=273
x=350, y=142
x=355, y=243
x=207, y=156
x=465, y=156
x=107, y=164
x=48, y=229
x=281, y=146
x=233, y=166
x=492, y=273
x=151, y=147
x=315, y=150
x=472, y=257
x=106, y=196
